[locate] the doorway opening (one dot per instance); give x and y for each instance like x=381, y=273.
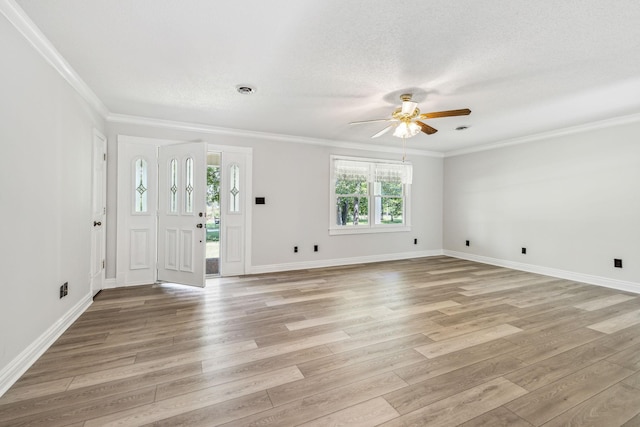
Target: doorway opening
x=213, y=214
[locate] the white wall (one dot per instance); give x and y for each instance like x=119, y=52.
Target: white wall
x=572, y=201
x=294, y=179
x=45, y=178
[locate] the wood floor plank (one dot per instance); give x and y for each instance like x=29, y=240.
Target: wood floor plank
x=552, y=369
x=463, y=406
x=342, y=376
x=141, y=368
x=629, y=358
x=463, y=328
x=271, y=351
x=29, y=391
x=599, y=303
x=347, y=358
x=468, y=340
x=199, y=399
x=219, y=413
x=617, y=323
x=322, y=404
x=199, y=380
x=612, y=407
x=77, y=413
x=456, y=360
x=553, y=345
x=366, y=414
x=499, y=417
x=621, y=339
x=101, y=391
x=553, y=399
x=307, y=323
x=423, y=393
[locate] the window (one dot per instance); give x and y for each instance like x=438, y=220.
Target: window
x=140, y=186
x=173, y=190
x=234, y=188
x=369, y=195
x=188, y=189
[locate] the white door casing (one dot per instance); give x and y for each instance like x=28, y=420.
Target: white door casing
x=182, y=190
x=98, y=212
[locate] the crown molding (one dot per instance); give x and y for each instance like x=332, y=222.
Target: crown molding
x=601, y=124
x=201, y=128
x=19, y=19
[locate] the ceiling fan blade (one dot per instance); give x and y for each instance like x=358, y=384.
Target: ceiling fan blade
x=449, y=113
x=408, y=107
x=372, y=121
x=383, y=131
x=426, y=128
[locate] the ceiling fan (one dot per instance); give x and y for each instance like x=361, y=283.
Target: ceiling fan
x=406, y=120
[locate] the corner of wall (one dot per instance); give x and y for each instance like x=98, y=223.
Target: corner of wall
x=620, y=285
x=18, y=366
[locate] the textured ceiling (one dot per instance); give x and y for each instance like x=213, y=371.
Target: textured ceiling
x=522, y=67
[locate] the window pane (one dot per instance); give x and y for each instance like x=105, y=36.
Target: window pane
x=234, y=188
x=173, y=189
x=389, y=210
x=388, y=189
x=140, y=185
x=188, y=189
x=352, y=211
x=344, y=186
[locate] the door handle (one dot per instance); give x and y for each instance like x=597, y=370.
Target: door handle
x=97, y=223
x=199, y=225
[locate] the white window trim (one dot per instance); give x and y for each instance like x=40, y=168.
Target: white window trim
x=335, y=229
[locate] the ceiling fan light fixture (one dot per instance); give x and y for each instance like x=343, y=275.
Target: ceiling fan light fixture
x=406, y=130
x=408, y=107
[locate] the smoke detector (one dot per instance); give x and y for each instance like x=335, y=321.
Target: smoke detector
x=245, y=89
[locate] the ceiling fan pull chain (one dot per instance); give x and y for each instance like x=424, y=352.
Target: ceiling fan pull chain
x=404, y=149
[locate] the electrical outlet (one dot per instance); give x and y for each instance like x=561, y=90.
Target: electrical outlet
x=315, y=248
x=295, y=249
x=415, y=241
x=66, y=288
x=61, y=291
x=617, y=263
x=524, y=251
x=466, y=243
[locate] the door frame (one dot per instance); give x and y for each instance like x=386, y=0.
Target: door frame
x=122, y=241
x=98, y=138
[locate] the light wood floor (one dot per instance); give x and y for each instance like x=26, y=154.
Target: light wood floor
x=432, y=341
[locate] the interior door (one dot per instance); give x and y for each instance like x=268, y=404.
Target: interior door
x=181, y=213
x=98, y=212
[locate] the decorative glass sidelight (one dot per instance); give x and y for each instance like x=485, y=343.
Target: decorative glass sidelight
x=173, y=190
x=140, y=186
x=234, y=188
x=188, y=189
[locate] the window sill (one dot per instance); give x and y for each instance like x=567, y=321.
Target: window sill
x=368, y=230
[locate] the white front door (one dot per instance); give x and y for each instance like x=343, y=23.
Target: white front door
x=182, y=182
x=98, y=212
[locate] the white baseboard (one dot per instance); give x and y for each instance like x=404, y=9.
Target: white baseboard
x=272, y=268
x=18, y=366
x=553, y=272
